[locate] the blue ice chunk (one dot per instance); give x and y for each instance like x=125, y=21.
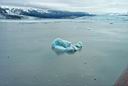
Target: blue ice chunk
x=63, y=46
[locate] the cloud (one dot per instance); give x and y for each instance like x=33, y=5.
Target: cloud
x=75, y=5
x=49, y=5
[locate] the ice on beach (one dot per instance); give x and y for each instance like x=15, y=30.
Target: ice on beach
x=63, y=46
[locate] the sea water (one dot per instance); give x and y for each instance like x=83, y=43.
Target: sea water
x=26, y=57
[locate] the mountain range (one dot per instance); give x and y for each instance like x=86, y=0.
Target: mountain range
x=38, y=13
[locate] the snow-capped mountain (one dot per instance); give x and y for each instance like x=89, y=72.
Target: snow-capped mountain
x=26, y=12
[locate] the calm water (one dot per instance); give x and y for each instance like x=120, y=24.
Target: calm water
x=26, y=57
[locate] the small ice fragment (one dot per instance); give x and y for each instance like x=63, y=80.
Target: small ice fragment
x=63, y=46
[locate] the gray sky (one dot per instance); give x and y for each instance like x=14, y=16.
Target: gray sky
x=75, y=5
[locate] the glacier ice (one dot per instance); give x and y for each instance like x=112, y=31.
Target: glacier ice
x=63, y=46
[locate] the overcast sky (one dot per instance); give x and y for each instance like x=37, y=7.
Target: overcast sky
x=75, y=5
